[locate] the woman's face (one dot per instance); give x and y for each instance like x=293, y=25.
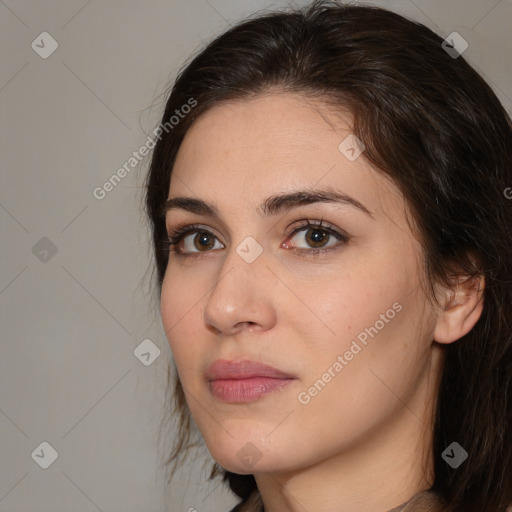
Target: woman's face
x=338, y=311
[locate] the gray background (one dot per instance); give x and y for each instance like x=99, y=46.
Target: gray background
x=72, y=319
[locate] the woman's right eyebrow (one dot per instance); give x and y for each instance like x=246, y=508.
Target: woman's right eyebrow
x=273, y=205
x=192, y=205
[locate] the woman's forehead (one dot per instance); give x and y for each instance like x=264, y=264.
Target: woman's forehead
x=248, y=151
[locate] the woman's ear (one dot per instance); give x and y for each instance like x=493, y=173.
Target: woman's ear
x=460, y=307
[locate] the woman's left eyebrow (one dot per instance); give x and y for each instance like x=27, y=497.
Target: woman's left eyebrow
x=273, y=205
x=284, y=202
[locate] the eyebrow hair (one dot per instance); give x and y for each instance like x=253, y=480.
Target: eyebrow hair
x=271, y=206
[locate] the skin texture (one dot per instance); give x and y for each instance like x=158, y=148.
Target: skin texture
x=362, y=443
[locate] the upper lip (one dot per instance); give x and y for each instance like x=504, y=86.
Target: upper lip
x=244, y=369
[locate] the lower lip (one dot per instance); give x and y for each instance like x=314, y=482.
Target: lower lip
x=246, y=390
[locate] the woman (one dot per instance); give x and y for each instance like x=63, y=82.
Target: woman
x=332, y=242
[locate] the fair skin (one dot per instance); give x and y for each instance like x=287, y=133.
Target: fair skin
x=363, y=442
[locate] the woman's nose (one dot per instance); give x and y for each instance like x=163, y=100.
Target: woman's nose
x=241, y=296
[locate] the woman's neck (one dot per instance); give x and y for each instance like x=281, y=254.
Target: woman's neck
x=381, y=473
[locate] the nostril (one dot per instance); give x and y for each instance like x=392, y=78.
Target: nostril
x=249, y=324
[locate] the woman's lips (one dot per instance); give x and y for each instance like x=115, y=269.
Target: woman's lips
x=245, y=390
x=244, y=381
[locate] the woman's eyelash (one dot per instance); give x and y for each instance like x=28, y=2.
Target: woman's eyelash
x=178, y=234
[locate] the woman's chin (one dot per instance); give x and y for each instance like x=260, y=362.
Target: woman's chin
x=246, y=457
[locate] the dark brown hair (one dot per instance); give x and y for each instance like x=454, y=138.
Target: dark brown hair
x=431, y=123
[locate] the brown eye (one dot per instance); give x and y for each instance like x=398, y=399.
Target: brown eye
x=204, y=241
x=195, y=241
x=192, y=240
x=313, y=237
x=317, y=237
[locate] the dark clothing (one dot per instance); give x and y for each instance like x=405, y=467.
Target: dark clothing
x=422, y=502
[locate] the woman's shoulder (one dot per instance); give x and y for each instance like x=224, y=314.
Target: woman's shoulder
x=251, y=504
x=426, y=501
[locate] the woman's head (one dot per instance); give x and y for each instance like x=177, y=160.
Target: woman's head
x=399, y=326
